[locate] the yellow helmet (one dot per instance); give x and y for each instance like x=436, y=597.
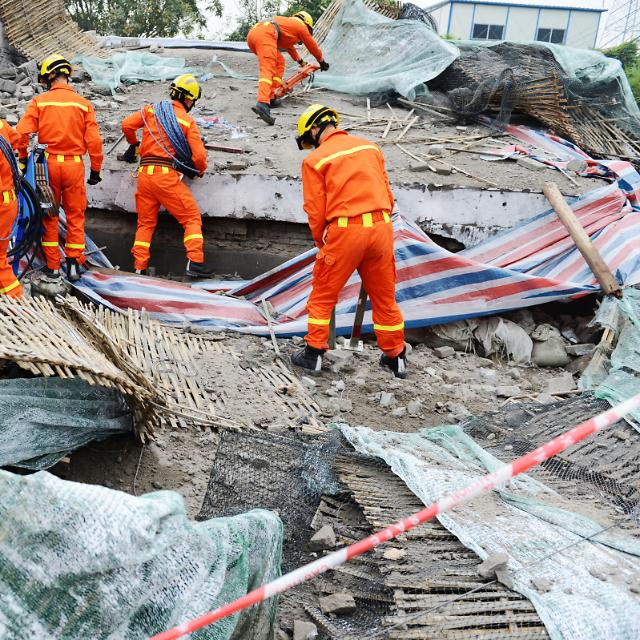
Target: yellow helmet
x=306, y=18
x=185, y=86
x=55, y=63
x=317, y=115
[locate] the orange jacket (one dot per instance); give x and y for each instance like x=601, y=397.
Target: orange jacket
x=292, y=31
x=6, y=177
x=65, y=122
x=149, y=147
x=344, y=177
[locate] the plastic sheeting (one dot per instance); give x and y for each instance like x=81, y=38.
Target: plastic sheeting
x=527, y=521
x=130, y=67
x=82, y=561
x=42, y=419
x=369, y=53
x=618, y=378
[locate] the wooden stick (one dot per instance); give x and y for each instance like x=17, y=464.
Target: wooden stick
x=597, y=265
x=368, y=110
x=276, y=348
x=387, y=128
x=462, y=171
x=401, y=135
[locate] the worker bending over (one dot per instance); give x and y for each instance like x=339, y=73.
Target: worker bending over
x=9, y=177
x=348, y=202
x=162, y=169
x=66, y=123
x=266, y=39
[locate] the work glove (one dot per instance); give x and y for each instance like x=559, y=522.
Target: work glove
x=324, y=66
x=301, y=62
x=22, y=165
x=94, y=177
x=130, y=154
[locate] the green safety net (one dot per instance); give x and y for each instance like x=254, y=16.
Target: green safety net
x=130, y=67
x=83, y=561
x=43, y=419
x=542, y=534
x=369, y=53
x=617, y=378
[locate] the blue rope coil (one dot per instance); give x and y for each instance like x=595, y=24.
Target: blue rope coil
x=166, y=121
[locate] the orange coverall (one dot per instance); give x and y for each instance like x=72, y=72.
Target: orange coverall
x=159, y=185
x=348, y=201
x=66, y=123
x=9, y=284
x=264, y=41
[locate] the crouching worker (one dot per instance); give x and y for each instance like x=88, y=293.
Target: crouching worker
x=66, y=123
x=9, y=176
x=348, y=201
x=267, y=39
x=170, y=149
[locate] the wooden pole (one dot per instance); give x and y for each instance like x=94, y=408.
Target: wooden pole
x=356, y=332
x=597, y=265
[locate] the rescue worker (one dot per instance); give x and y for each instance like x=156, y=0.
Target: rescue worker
x=9, y=284
x=66, y=123
x=348, y=201
x=266, y=39
x=160, y=184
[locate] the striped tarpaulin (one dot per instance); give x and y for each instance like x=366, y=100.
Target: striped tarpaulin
x=533, y=263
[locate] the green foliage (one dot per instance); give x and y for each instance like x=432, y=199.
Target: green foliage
x=633, y=74
x=140, y=18
x=627, y=53
x=254, y=10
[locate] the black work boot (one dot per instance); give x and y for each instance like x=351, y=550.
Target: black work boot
x=141, y=272
x=73, y=270
x=263, y=110
x=51, y=274
x=275, y=103
x=310, y=359
x=198, y=270
x=398, y=364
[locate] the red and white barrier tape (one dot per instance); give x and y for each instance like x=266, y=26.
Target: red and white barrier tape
x=483, y=485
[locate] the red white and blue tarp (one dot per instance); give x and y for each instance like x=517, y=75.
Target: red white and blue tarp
x=533, y=263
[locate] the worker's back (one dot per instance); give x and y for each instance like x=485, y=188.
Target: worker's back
x=6, y=175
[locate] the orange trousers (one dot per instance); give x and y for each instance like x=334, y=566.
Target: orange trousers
x=9, y=284
x=369, y=250
x=66, y=180
x=263, y=41
x=162, y=186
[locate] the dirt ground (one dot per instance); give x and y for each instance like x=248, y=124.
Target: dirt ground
x=272, y=150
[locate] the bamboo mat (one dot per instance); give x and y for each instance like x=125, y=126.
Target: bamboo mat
x=38, y=28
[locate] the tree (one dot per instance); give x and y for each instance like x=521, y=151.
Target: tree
x=143, y=18
x=626, y=53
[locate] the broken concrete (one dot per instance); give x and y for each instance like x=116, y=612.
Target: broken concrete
x=303, y=630
x=339, y=604
x=323, y=540
x=495, y=562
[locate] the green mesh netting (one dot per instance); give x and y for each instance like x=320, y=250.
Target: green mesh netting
x=527, y=521
x=369, y=53
x=42, y=419
x=617, y=378
x=82, y=561
x=130, y=67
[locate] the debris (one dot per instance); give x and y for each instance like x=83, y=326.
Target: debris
x=399, y=412
x=508, y=391
x=323, y=539
x=303, y=630
x=551, y=353
x=308, y=382
x=414, y=407
x=545, y=398
x=339, y=358
x=339, y=604
x=435, y=149
x=502, y=336
x=442, y=171
x=393, y=553
x=387, y=399
x=581, y=349
x=579, y=166
x=561, y=385
x=417, y=167
x=531, y=164
x=236, y=166
x=444, y=352
x=543, y=585
x=495, y=562
x=219, y=147
x=621, y=435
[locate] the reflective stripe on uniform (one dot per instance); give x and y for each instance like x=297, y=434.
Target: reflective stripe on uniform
x=184, y=122
x=382, y=327
x=346, y=152
x=367, y=220
x=8, y=196
x=63, y=104
x=265, y=80
x=276, y=79
x=150, y=169
x=74, y=246
x=165, y=169
x=49, y=244
x=10, y=287
x=193, y=236
x=323, y=323
x=141, y=243
x=343, y=221
x=60, y=158
x=76, y=158
x=386, y=217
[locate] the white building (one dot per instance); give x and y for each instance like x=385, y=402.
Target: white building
x=574, y=23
